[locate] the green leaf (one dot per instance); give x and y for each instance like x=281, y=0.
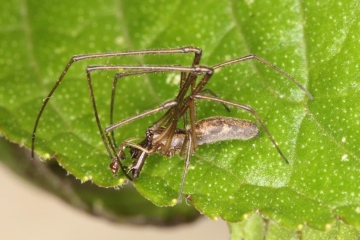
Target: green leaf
x=257, y=227
x=315, y=42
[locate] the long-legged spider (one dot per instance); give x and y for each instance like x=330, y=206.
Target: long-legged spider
x=207, y=131
x=182, y=107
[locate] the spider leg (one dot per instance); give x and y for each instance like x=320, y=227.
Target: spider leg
x=196, y=60
x=188, y=49
x=259, y=59
x=111, y=149
x=173, y=118
x=190, y=105
x=110, y=145
x=113, y=92
x=198, y=93
x=188, y=144
x=166, y=116
x=211, y=93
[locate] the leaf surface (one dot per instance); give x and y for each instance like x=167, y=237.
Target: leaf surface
x=315, y=42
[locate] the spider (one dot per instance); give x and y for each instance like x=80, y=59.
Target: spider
x=161, y=135
x=207, y=131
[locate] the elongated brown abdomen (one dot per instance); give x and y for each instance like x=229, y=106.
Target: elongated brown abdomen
x=216, y=129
